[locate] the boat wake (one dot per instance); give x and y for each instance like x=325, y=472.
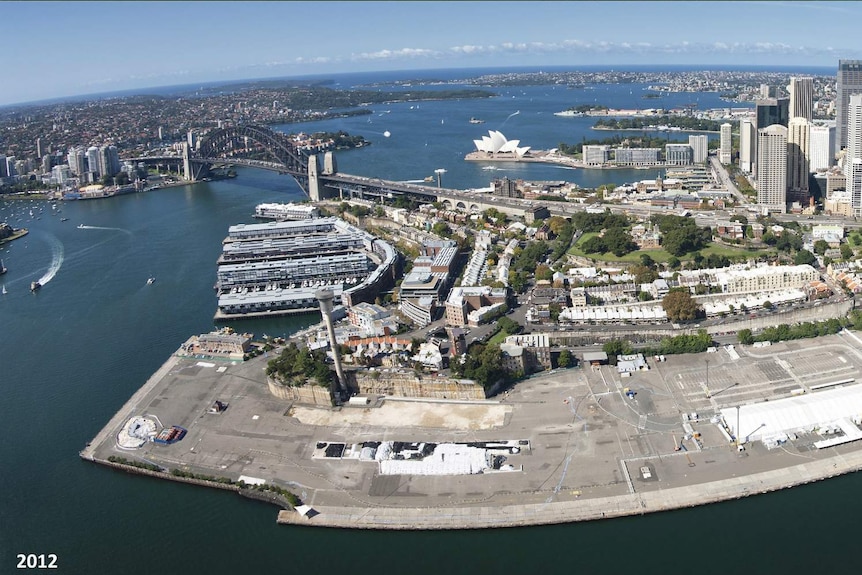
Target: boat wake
x=57, y=258
x=83, y=227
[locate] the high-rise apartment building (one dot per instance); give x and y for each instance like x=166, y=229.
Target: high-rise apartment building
x=93, y=160
x=801, y=98
x=747, y=145
x=798, y=151
x=821, y=144
x=10, y=166
x=109, y=160
x=700, y=148
x=849, y=83
x=725, y=144
x=772, y=168
x=77, y=160
x=3, y=172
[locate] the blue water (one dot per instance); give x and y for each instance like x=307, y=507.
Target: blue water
x=73, y=353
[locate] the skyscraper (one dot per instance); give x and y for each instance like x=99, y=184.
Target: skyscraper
x=801, y=98
x=798, y=152
x=747, y=145
x=772, y=111
x=821, y=143
x=726, y=143
x=849, y=82
x=853, y=151
x=853, y=169
x=772, y=168
x=700, y=148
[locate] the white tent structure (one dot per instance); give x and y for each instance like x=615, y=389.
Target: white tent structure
x=801, y=413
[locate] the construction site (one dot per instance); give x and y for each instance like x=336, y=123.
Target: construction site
x=689, y=430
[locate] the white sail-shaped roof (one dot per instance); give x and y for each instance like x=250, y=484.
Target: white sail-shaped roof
x=496, y=142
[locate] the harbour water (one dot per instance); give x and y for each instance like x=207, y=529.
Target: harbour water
x=73, y=353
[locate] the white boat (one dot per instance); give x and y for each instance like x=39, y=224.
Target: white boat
x=4, y=290
x=80, y=226
x=150, y=281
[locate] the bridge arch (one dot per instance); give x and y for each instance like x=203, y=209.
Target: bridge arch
x=220, y=144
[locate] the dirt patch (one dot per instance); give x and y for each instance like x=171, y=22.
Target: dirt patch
x=409, y=414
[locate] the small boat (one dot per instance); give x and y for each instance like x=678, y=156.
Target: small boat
x=150, y=281
x=476, y=121
x=4, y=290
x=2, y=268
x=35, y=286
x=80, y=226
x=64, y=219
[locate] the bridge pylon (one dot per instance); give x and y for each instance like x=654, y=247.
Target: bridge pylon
x=313, y=179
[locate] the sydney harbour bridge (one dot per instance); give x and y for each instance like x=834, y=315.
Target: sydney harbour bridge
x=316, y=173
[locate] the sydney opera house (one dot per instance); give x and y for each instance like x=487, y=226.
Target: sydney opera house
x=495, y=144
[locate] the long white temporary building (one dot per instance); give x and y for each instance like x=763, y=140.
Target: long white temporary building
x=800, y=413
x=447, y=459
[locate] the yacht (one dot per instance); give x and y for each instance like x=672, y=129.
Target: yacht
x=476, y=121
x=2, y=268
x=150, y=281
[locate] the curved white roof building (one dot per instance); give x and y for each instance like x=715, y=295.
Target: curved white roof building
x=495, y=143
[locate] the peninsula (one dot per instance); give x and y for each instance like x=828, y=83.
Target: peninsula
x=593, y=444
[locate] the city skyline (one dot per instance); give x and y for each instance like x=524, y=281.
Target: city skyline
x=149, y=44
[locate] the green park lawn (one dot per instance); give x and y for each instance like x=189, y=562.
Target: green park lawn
x=661, y=256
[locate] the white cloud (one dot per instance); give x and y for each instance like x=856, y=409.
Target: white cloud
x=395, y=54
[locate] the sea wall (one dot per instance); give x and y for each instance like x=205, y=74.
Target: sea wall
x=465, y=517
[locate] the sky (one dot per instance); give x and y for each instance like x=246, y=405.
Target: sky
x=59, y=49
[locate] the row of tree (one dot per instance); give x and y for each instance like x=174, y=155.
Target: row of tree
x=685, y=343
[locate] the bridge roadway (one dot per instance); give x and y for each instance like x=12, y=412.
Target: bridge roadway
x=350, y=186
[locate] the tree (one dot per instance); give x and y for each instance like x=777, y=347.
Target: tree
x=647, y=261
x=767, y=305
x=594, y=245
x=544, y=272
x=564, y=359
x=616, y=347
x=846, y=251
x=673, y=263
x=679, y=305
x=820, y=247
x=441, y=229
x=744, y=336
x=619, y=242
x=643, y=274
x=803, y=257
